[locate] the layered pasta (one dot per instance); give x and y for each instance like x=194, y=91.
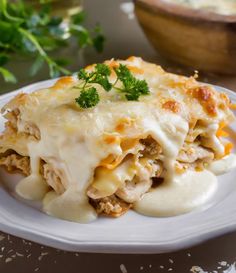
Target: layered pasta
x=119, y=154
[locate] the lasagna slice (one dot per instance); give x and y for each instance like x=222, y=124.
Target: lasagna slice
x=152, y=155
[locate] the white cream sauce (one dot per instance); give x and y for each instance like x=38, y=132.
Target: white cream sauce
x=226, y=7
x=73, y=139
x=80, y=151
x=223, y=165
x=183, y=194
x=71, y=205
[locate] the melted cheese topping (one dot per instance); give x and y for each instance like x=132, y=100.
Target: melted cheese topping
x=182, y=194
x=226, y=7
x=90, y=146
x=223, y=165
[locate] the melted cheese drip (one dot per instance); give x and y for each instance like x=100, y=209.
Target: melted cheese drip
x=226, y=7
x=223, y=165
x=73, y=139
x=71, y=205
x=81, y=154
x=181, y=195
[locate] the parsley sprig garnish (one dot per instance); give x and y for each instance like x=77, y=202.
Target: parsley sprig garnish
x=34, y=32
x=88, y=98
x=131, y=87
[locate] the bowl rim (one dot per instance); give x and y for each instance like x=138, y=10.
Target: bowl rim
x=185, y=12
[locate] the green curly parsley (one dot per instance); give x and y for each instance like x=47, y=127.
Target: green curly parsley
x=132, y=88
x=36, y=33
x=88, y=98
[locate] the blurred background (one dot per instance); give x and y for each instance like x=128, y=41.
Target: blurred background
x=170, y=36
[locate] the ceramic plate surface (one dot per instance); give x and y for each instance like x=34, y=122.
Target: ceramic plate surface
x=132, y=233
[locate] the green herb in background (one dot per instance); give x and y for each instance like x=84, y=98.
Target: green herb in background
x=131, y=87
x=31, y=32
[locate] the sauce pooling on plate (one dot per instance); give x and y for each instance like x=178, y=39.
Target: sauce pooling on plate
x=225, y=7
x=108, y=157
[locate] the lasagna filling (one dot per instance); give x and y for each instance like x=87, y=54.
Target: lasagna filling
x=156, y=156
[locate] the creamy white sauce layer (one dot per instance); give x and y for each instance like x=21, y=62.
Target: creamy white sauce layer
x=72, y=141
x=223, y=165
x=183, y=194
x=76, y=152
x=226, y=7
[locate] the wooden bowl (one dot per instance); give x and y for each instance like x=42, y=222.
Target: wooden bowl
x=200, y=39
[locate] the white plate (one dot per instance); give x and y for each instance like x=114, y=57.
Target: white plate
x=132, y=233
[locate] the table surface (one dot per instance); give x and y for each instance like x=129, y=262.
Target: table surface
x=124, y=38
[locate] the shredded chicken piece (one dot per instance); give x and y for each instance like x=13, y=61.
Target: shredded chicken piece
x=16, y=162
x=152, y=148
x=133, y=190
x=32, y=130
x=53, y=178
x=148, y=166
x=12, y=117
x=93, y=193
x=192, y=153
x=29, y=128
x=111, y=205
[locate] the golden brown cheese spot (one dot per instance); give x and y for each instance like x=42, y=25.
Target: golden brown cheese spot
x=232, y=106
x=112, y=64
x=228, y=148
x=131, y=59
x=225, y=98
x=13, y=104
x=123, y=124
x=63, y=82
x=135, y=69
x=181, y=82
x=205, y=96
x=220, y=132
x=90, y=67
x=172, y=106
x=20, y=99
x=110, y=139
x=224, y=102
x=110, y=162
x=128, y=143
x=211, y=109
x=192, y=122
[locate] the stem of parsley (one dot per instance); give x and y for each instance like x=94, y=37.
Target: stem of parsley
x=34, y=33
x=132, y=88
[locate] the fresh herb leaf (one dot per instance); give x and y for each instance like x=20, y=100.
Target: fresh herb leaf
x=78, y=18
x=99, y=39
x=3, y=59
x=103, y=70
x=37, y=65
x=132, y=87
x=7, y=75
x=99, y=75
x=83, y=75
x=88, y=98
x=34, y=33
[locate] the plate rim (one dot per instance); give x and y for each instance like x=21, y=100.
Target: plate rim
x=20, y=230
